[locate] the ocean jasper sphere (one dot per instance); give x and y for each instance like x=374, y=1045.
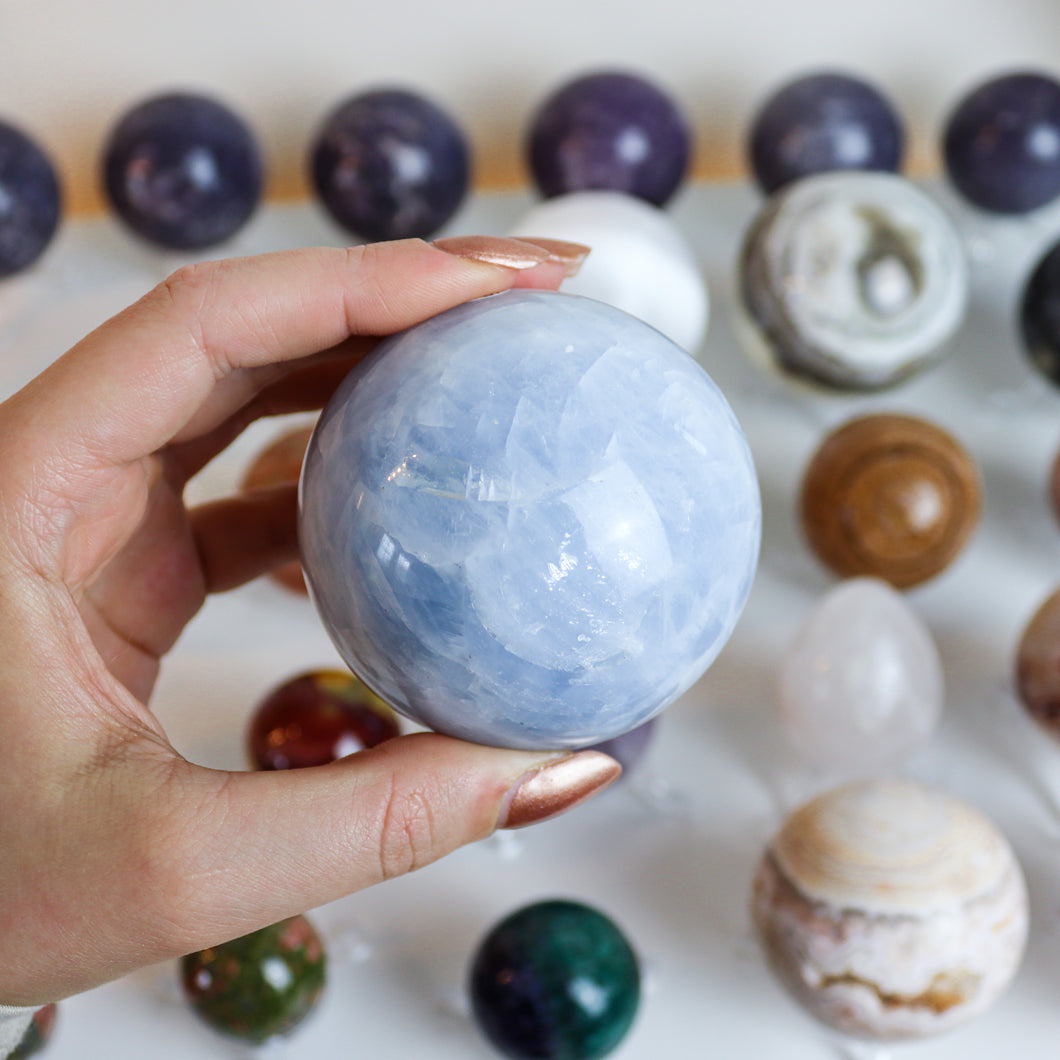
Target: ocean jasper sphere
x=890, y=909
x=389, y=164
x=531, y=521
x=611, y=131
x=641, y=261
x=556, y=980
x=182, y=171
x=30, y=201
x=1002, y=143
x=852, y=280
x=823, y=122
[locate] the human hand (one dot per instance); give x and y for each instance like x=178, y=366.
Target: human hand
x=117, y=852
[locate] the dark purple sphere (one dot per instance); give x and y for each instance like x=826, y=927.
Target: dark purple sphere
x=820, y=123
x=29, y=201
x=389, y=164
x=1002, y=144
x=182, y=171
x=611, y=132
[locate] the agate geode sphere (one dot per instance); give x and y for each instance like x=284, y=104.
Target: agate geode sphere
x=890, y=909
x=852, y=280
x=531, y=521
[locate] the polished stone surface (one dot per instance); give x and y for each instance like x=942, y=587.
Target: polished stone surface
x=856, y=281
x=611, y=131
x=1001, y=143
x=1039, y=318
x=890, y=496
x=556, y=980
x=820, y=123
x=1038, y=665
x=531, y=521
x=641, y=260
x=30, y=200
x=260, y=986
x=182, y=171
x=390, y=164
x=861, y=683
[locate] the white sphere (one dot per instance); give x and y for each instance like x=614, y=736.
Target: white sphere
x=640, y=261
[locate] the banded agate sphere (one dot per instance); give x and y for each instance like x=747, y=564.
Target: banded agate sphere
x=531, y=521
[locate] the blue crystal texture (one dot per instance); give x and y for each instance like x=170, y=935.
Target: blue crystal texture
x=30, y=201
x=609, y=131
x=1002, y=143
x=531, y=521
x=183, y=171
x=389, y=164
x=821, y=123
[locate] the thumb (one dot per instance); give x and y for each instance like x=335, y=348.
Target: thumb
x=267, y=845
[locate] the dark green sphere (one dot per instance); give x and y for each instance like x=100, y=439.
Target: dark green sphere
x=259, y=986
x=556, y=980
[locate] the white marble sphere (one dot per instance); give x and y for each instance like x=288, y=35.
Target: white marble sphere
x=531, y=521
x=853, y=280
x=861, y=684
x=890, y=909
x=640, y=262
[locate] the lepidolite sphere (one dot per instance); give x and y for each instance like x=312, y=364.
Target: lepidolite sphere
x=390, y=164
x=531, y=521
x=183, y=171
x=30, y=201
x=1002, y=143
x=612, y=131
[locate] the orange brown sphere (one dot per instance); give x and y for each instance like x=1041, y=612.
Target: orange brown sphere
x=278, y=463
x=890, y=496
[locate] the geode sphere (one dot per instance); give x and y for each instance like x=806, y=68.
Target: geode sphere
x=852, y=280
x=531, y=521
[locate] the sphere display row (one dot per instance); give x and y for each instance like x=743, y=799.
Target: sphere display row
x=184, y=172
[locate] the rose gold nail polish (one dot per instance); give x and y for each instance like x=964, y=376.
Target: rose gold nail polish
x=557, y=786
x=561, y=252
x=494, y=250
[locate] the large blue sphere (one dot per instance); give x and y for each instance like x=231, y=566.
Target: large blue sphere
x=30, y=201
x=531, y=521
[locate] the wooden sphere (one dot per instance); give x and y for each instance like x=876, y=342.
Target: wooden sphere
x=889, y=496
x=278, y=463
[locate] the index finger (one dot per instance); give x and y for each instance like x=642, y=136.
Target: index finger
x=141, y=379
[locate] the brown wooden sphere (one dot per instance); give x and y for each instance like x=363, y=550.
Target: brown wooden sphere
x=278, y=463
x=889, y=496
x=1038, y=665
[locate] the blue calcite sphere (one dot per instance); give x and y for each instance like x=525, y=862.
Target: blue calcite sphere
x=531, y=521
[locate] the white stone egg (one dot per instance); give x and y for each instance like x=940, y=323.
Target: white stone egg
x=640, y=261
x=854, y=280
x=891, y=910
x=861, y=684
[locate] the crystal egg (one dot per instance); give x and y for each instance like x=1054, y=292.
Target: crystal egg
x=390, y=164
x=260, y=986
x=1002, y=143
x=641, y=260
x=889, y=496
x=182, y=171
x=556, y=980
x=823, y=122
x=852, y=280
x=531, y=521
x=612, y=131
x=891, y=910
x=30, y=201
x=861, y=684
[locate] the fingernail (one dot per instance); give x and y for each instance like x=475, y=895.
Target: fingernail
x=561, y=252
x=494, y=250
x=557, y=786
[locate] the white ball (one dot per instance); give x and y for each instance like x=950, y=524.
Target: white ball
x=640, y=261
